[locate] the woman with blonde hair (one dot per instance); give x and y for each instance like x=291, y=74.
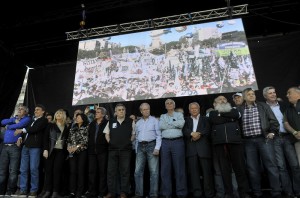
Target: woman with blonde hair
x=55, y=153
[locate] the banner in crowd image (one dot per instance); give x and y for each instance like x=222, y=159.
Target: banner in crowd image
x=188, y=60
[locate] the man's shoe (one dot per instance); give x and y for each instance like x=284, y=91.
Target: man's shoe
x=32, y=195
x=136, y=196
x=109, y=195
x=56, y=195
x=71, y=195
x=123, y=195
x=20, y=194
x=46, y=194
x=7, y=194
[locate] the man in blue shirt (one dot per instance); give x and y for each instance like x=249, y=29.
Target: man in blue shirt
x=10, y=155
x=285, y=153
x=172, y=151
x=148, y=139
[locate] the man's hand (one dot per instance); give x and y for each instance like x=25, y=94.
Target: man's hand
x=156, y=152
x=270, y=135
x=195, y=136
x=17, y=132
x=297, y=135
x=45, y=154
x=19, y=142
x=132, y=137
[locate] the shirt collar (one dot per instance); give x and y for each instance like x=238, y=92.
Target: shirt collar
x=198, y=116
x=248, y=106
x=272, y=105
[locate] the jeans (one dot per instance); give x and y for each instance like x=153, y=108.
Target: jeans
x=256, y=149
x=30, y=159
x=285, y=152
x=145, y=153
x=173, y=156
x=9, y=163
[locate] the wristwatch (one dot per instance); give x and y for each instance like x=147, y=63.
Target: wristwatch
x=77, y=146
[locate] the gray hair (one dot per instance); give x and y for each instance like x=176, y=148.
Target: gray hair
x=119, y=105
x=194, y=103
x=266, y=89
x=26, y=109
x=103, y=110
x=143, y=105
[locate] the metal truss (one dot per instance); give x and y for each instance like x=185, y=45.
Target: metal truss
x=163, y=22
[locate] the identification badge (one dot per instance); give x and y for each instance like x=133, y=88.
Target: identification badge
x=114, y=125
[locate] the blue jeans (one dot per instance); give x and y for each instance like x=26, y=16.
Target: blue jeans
x=145, y=152
x=30, y=158
x=285, y=152
x=173, y=156
x=262, y=149
x=9, y=163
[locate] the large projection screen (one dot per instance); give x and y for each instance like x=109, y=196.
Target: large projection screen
x=188, y=60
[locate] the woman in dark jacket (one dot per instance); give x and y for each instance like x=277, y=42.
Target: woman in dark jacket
x=77, y=148
x=55, y=144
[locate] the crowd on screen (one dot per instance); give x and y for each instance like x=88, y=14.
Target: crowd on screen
x=233, y=151
x=143, y=75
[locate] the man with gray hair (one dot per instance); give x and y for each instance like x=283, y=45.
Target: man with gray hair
x=10, y=155
x=119, y=133
x=148, y=139
x=97, y=155
x=285, y=153
x=172, y=151
x=292, y=118
x=228, y=146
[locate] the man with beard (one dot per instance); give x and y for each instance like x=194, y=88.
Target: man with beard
x=227, y=145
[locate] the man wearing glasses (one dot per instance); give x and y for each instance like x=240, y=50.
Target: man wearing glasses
x=119, y=133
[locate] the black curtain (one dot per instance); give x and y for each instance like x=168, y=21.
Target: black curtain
x=11, y=79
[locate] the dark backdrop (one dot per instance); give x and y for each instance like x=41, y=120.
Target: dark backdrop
x=276, y=61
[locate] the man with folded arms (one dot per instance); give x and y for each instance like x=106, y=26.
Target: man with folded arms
x=10, y=155
x=172, y=151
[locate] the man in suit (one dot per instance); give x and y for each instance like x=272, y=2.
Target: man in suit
x=198, y=152
x=32, y=138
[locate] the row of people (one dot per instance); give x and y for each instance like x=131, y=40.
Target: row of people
x=229, y=138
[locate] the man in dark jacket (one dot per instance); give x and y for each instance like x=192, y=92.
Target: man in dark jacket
x=285, y=153
x=31, y=152
x=196, y=133
x=227, y=143
x=259, y=128
x=97, y=155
